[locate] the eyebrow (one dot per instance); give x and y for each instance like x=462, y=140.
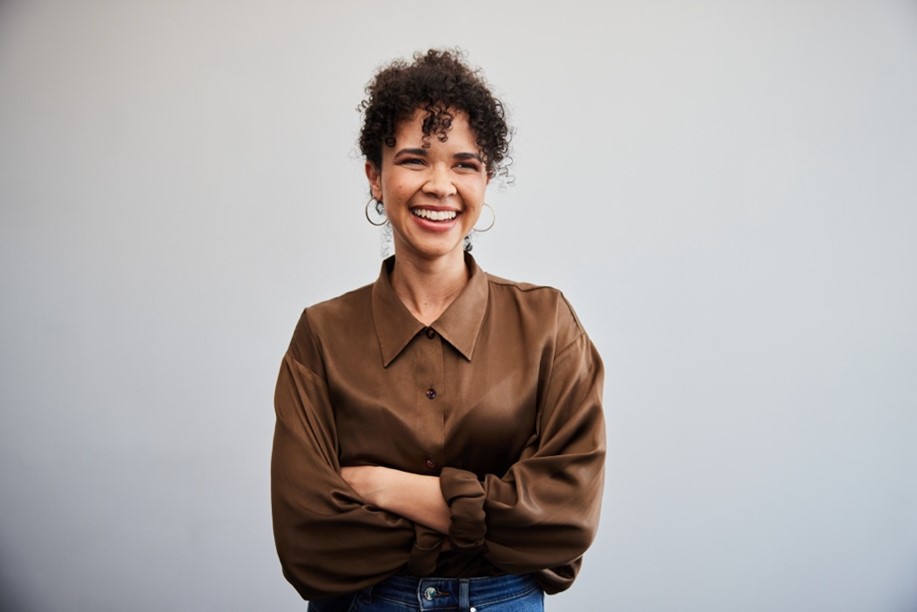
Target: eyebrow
x=423, y=153
x=468, y=156
x=417, y=151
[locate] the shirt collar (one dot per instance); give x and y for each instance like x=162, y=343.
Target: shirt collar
x=459, y=324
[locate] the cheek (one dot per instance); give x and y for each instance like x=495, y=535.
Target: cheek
x=474, y=214
x=478, y=197
x=394, y=188
x=475, y=190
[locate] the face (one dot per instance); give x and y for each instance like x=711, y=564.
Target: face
x=432, y=195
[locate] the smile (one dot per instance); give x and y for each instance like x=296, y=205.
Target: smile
x=434, y=215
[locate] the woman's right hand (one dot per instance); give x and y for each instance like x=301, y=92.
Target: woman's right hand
x=413, y=496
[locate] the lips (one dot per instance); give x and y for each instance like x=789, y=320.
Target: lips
x=434, y=215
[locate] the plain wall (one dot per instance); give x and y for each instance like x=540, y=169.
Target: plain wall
x=726, y=192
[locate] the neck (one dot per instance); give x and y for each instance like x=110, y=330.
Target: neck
x=427, y=288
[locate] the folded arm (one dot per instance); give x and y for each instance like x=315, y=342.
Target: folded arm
x=415, y=497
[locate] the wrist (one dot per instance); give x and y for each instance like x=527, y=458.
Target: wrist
x=386, y=481
x=378, y=483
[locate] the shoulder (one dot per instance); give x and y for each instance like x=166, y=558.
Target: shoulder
x=344, y=312
x=342, y=307
x=539, y=305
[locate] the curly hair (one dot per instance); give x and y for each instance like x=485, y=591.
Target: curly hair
x=439, y=82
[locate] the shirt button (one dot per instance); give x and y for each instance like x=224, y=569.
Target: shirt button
x=431, y=333
x=431, y=393
x=431, y=465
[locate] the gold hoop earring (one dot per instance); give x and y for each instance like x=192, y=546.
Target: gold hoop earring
x=380, y=211
x=493, y=219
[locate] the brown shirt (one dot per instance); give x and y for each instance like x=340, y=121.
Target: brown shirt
x=500, y=397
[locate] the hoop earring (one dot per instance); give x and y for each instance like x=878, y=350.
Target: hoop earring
x=380, y=210
x=493, y=219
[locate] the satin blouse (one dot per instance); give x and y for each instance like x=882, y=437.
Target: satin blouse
x=500, y=397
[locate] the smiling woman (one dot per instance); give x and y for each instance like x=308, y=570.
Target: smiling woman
x=440, y=439
x=433, y=193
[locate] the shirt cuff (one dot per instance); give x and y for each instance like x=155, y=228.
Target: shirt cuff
x=424, y=552
x=465, y=496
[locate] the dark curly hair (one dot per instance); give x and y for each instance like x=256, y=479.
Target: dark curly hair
x=440, y=82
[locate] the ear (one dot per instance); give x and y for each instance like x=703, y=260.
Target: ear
x=375, y=180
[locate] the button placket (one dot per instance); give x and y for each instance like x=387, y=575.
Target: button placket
x=428, y=370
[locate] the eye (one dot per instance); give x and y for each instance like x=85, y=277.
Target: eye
x=411, y=161
x=469, y=165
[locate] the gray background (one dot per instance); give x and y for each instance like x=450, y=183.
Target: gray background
x=726, y=191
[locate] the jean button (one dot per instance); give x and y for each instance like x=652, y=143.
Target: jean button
x=429, y=593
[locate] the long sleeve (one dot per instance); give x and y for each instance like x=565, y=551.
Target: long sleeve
x=542, y=514
x=328, y=541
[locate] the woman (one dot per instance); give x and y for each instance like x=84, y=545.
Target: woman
x=439, y=440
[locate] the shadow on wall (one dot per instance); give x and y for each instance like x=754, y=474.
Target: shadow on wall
x=11, y=600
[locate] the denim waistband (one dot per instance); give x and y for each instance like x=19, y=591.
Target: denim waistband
x=452, y=593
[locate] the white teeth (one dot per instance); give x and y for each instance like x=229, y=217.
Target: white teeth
x=435, y=215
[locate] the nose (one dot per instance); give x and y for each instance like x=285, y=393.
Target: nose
x=439, y=182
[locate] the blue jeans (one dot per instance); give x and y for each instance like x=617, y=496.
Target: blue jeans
x=402, y=594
